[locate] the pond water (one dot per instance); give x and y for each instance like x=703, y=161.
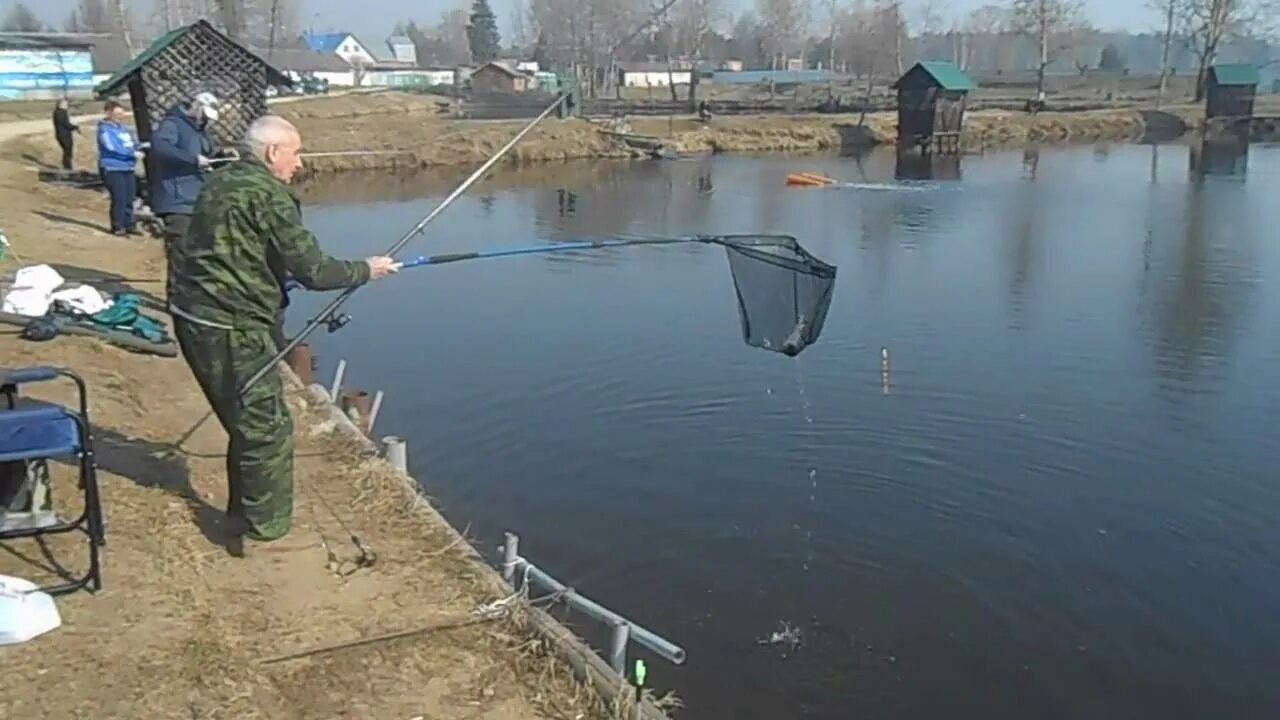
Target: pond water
x=1060, y=502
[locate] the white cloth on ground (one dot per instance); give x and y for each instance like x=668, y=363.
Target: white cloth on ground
x=35, y=288
x=32, y=290
x=83, y=298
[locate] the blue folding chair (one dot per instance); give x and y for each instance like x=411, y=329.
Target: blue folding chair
x=33, y=432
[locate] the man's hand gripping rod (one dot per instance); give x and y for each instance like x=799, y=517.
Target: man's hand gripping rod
x=328, y=312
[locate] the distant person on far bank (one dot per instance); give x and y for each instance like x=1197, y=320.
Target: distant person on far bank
x=117, y=157
x=180, y=153
x=63, y=130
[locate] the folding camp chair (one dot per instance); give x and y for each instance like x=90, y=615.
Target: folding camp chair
x=32, y=433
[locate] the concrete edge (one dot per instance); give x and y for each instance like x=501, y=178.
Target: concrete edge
x=588, y=666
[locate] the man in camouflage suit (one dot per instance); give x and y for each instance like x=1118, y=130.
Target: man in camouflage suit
x=246, y=239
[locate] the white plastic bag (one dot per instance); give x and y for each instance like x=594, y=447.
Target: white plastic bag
x=24, y=613
x=31, y=289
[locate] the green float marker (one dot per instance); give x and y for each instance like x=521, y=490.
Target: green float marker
x=640, y=672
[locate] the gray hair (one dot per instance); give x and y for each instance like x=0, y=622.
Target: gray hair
x=267, y=130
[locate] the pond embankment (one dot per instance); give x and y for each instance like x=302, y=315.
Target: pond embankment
x=401, y=131
x=181, y=628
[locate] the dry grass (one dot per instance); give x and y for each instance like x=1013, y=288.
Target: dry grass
x=181, y=628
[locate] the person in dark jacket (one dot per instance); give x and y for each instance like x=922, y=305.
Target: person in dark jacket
x=62, y=130
x=117, y=157
x=180, y=152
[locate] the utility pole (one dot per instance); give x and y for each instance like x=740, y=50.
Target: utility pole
x=271, y=36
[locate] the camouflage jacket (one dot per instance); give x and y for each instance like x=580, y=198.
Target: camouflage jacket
x=246, y=239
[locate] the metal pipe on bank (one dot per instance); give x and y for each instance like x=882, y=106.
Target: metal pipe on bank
x=516, y=565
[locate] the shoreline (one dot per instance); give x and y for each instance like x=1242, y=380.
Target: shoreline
x=401, y=132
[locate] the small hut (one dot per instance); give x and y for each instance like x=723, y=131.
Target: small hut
x=189, y=60
x=1230, y=89
x=931, y=103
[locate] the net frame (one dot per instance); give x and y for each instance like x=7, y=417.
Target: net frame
x=809, y=303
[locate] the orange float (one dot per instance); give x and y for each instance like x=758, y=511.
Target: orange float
x=808, y=180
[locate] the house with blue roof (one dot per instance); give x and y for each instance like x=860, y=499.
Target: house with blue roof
x=343, y=44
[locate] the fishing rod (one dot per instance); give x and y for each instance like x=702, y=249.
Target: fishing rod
x=443, y=258
x=327, y=315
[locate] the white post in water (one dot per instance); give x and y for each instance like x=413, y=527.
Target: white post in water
x=618, y=649
x=373, y=412
x=396, y=451
x=337, y=380
x=510, y=551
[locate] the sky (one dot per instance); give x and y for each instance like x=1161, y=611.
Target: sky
x=373, y=26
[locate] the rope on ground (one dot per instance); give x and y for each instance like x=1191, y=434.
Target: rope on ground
x=434, y=627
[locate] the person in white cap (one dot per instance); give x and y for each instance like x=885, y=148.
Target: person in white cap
x=180, y=158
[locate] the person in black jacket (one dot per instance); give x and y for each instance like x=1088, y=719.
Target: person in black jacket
x=62, y=130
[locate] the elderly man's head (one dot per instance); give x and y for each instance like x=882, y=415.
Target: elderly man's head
x=276, y=142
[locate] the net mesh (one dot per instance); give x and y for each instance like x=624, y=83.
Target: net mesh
x=783, y=291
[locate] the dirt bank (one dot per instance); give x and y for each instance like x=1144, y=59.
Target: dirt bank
x=404, y=131
x=182, y=629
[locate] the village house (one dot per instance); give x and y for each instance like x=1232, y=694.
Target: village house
x=300, y=62
x=343, y=44
x=493, y=77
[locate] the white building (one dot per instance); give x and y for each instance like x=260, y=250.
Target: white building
x=402, y=49
x=652, y=74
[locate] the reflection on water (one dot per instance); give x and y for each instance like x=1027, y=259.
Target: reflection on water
x=1059, y=503
x=1226, y=159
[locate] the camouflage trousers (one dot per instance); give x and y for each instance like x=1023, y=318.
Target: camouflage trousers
x=259, y=426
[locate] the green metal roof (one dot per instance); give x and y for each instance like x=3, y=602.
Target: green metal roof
x=947, y=74
x=1236, y=74
x=121, y=76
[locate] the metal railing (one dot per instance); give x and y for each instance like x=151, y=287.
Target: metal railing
x=624, y=631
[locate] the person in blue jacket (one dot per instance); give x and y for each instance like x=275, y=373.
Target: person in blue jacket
x=180, y=152
x=117, y=157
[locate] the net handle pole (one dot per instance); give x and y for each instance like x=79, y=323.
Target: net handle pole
x=337, y=302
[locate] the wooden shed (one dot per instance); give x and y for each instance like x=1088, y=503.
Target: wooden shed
x=931, y=103
x=189, y=60
x=493, y=77
x=1230, y=89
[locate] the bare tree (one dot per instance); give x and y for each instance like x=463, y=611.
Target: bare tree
x=893, y=28
x=1168, y=9
x=1208, y=23
x=692, y=23
x=928, y=15
x=231, y=14
x=784, y=23
x=832, y=10
x=1052, y=23
x=121, y=23
x=21, y=19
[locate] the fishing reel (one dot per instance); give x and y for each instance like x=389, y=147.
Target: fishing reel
x=336, y=322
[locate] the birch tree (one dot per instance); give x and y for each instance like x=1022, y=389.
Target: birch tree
x=1168, y=10
x=1052, y=23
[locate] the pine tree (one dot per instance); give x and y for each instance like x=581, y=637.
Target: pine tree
x=482, y=33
